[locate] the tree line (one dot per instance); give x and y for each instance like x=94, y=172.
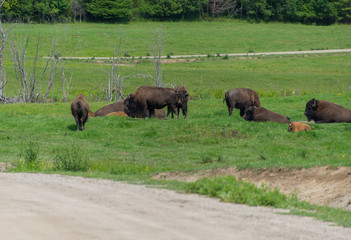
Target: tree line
x=322, y=12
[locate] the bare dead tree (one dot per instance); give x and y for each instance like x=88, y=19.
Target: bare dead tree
x=3, y=38
x=77, y=9
x=223, y=6
x=66, y=86
x=159, y=42
x=57, y=62
x=27, y=84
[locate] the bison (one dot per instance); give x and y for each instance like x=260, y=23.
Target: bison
x=326, y=112
x=113, y=107
x=148, y=98
x=184, y=106
x=261, y=114
x=80, y=111
x=241, y=98
x=297, y=127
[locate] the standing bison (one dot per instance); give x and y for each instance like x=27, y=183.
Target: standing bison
x=184, y=105
x=148, y=98
x=80, y=111
x=241, y=98
x=326, y=112
x=261, y=114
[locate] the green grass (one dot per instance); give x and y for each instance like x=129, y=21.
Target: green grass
x=97, y=40
x=209, y=77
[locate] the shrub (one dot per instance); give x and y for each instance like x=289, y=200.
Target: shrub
x=70, y=159
x=29, y=153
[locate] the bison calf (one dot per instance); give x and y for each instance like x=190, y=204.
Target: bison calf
x=241, y=98
x=80, y=111
x=297, y=127
x=326, y=112
x=261, y=114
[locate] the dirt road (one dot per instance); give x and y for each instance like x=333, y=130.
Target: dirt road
x=38, y=206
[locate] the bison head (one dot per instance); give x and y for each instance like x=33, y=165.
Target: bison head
x=311, y=108
x=129, y=106
x=249, y=113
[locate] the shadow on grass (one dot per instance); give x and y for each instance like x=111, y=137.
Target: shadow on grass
x=72, y=127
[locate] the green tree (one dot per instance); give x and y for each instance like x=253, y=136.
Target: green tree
x=110, y=10
x=343, y=8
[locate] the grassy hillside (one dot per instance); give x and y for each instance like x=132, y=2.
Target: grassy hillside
x=97, y=40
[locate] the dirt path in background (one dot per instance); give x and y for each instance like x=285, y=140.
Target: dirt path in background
x=223, y=55
x=38, y=206
x=319, y=185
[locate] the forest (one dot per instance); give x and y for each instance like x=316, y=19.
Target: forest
x=320, y=12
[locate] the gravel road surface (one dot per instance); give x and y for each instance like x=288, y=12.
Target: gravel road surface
x=39, y=206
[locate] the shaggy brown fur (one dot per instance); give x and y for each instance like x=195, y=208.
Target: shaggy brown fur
x=184, y=106
x=326, y=112
x=297, y=127
x=241, y=98
x=148, y=98
x=113, y=107
x=261, y=114
x=119, y=113
x=80, y=111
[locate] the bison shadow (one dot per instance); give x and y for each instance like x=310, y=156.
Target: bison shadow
x=72, y=127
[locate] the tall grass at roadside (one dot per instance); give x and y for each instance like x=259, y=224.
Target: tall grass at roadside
x=229, y=189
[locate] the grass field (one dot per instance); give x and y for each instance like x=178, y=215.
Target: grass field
x=42, y=137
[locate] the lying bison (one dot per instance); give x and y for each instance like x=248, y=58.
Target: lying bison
x=326, y=112
x=241, y=98
x=184, y=105
x=148, y=98
x=113, y=107
x=297, y=127
x=80, y=111
x=261, y=114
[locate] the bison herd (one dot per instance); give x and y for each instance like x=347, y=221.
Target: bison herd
x=149, y=101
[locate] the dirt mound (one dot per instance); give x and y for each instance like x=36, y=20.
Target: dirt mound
x=319, y=185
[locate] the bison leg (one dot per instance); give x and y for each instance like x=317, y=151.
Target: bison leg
x=77, y=122
x=83, y=122
x=242, y=112
x=151, y=113
x=230, y=110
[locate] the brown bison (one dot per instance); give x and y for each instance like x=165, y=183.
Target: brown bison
x=297, y=127
x=261, y=114
x=80, y=111
x=184, y=105
x=148, y=98
x=119, y=113
x=241, y=98
x=326, y=112
x=113, y=107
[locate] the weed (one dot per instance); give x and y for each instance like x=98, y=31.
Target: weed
x=70, y=159
x=30, y=153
